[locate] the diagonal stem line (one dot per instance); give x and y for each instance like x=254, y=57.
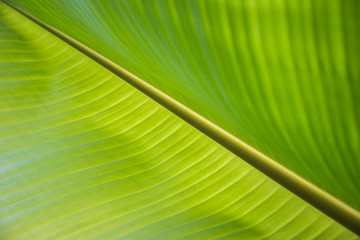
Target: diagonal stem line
x=320, y=199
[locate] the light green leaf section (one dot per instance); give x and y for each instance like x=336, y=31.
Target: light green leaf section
x=84, y=155
x=284, y=76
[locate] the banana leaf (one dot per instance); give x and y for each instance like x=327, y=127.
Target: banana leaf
x=86, y=155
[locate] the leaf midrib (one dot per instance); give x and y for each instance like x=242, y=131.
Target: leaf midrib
x=320, y=199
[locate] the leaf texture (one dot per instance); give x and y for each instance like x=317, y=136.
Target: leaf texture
x=85, y=155
x=281, y=75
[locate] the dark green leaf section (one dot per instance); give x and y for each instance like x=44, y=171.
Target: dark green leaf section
x=281, y=75
x=85, y=155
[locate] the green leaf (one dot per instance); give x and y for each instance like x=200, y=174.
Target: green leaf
x=282, y=76
x=85, y=155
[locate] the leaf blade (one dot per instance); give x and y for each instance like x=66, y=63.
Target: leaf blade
x=63, y=173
